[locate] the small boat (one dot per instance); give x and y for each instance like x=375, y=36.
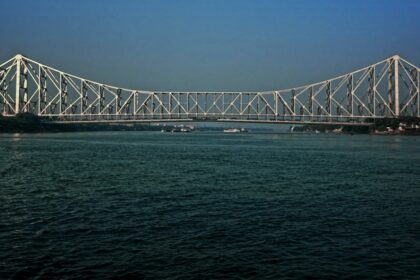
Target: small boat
x=182, y=128
x=235, y=130
x=232, y=130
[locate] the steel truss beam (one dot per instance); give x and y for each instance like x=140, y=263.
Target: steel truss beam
x=389, y=88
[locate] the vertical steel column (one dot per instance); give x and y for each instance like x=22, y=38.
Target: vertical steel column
x=370, y=89
x=391, y=81
x=196, y=104
x=328, y=99
x=188, y=104
x=413, y=89
x=63, y=93
x=223, y=104
x=205, y=104
x=153, y=105
x=215, y=103
x=276, y=99
x=248, y=105
x=258, y=106
x=25, y=88
x=241, y=106
x=396, y=85
x=17, y=93
x=311, y=101
x=284, y=109
x=266, y=109
x=293, y=102
x=135, y=97
x=44, y=90
x=350, y=93
x=162, y=99
x=118, y=102
x=179, y=105
x=84, y=97
x=2, y=91
x=39, y=90
x=170, y=104
x=101, y=99
x=374, y=90
x=146, y=111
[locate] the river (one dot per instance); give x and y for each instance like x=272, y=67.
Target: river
x=206, y=205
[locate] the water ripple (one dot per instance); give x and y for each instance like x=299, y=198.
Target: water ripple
x=203, y=206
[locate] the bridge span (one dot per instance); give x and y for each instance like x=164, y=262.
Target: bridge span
x=386, y=89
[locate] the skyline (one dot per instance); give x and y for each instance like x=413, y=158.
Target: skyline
x=229, y=49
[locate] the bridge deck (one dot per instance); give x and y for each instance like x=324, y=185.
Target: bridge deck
x=132, y=121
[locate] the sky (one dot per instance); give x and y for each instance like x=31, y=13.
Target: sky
x=214, y=45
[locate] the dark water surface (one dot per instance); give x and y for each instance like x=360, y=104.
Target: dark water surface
x=201, y=205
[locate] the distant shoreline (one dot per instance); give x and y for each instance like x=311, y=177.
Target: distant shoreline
x=29, y=123
x=385, y=126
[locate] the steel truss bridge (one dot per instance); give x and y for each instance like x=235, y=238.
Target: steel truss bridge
x=387, y=89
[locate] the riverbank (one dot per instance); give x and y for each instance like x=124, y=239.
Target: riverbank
x=385, y=126
x=29, y=123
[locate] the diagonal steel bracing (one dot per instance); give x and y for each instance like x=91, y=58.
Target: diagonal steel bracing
x=389, y=88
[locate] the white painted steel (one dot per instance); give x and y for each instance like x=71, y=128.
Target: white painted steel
x=360, y=95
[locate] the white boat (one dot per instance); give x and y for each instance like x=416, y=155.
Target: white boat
x=235, y=130
x=232, y=130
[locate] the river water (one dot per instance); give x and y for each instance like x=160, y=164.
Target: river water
x=202, y=205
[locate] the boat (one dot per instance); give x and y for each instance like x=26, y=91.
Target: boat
x=232, y=130
x=182, y=128
x=235, y=130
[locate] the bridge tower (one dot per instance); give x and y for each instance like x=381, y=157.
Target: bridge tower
x=396, y=86
x=393, y=85
x=21, y=95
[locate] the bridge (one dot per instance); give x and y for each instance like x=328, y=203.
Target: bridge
x=386, y=89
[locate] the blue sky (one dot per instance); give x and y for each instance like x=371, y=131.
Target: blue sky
x=210, y=45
